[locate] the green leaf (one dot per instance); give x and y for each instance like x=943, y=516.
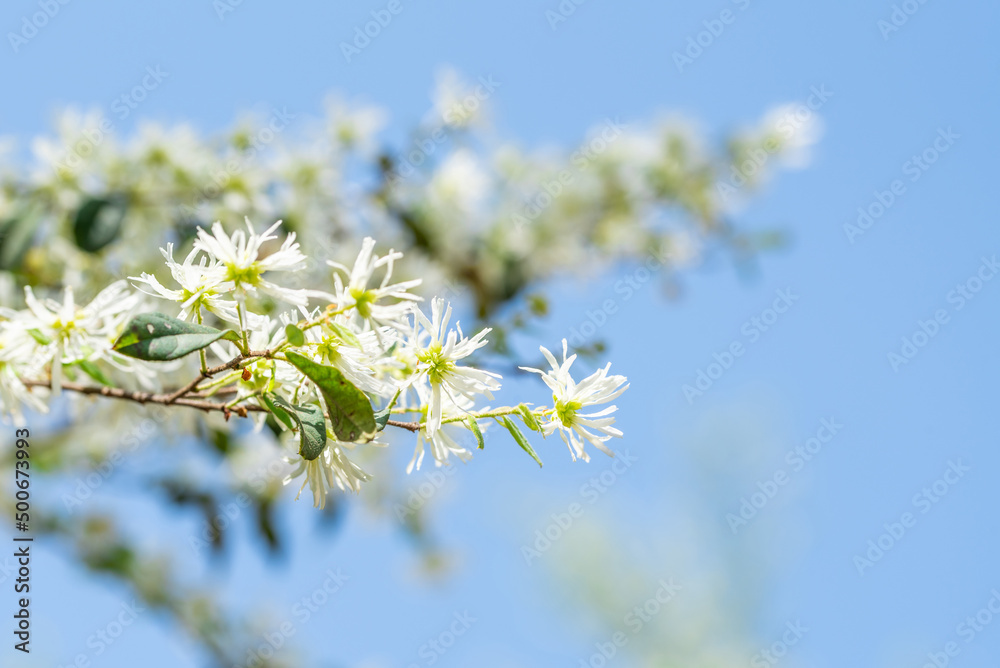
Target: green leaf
x=345, y=335
x=157, y=337
x=310, y=421
x=230, y=335
x=295, y=336
x=277, y=411
x=351, y=414
x=519, y=437
x=474, y=428
x=529, y=418
x=16, y=235
x=98, y=222
x=94, y=372
x=382, y=416
x=39, y=337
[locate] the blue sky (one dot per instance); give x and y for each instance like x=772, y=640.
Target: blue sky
x=893, y=95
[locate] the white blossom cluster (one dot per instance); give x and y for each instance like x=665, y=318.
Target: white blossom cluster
x=476, y=204
x=368, y=334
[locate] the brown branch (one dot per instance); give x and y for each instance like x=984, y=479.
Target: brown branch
x=208, y=373
x=412, y=426
x=178, y=398
x=149, y=397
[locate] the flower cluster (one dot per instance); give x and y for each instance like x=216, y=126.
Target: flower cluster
x=332, y=369
x=90, y=206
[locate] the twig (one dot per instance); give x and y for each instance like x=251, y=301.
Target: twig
x=412, y=426
x=148, y=397
x=208, y=373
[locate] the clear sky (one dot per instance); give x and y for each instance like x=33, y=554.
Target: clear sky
x=894, y=95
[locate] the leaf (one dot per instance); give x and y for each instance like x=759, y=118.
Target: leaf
x=346, y=335
x=519, y=437
x=529, y=418
x=230, y=335
x=382, y=416
x=277, y=411
x=310, y=421
x=157, y=337
x=351, y=414
x=98, y=222
x=16, y=235
x=474, y=428
x=38, y=336
x=94, y=372
x=295, y=336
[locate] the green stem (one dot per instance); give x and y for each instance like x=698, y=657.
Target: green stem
x=494, y=413
x=201, y=353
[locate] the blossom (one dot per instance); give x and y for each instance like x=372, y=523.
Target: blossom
x=243, y=269
x=331, y=468
x=68, y=333
x=438, y=363
x=442, y=445
x=16, y=361
x=355, y=357
x=202, y=286
x=364, y=300
x=571, y=398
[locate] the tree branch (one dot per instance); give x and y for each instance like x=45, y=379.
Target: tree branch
x=411, y=426
x=150, y=398
x=208, y=373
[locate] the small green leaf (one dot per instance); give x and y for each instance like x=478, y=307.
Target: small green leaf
x=98, y=222
x=16, y=235
x=351, y=414
x=295, y=336
x=345, y=335
x=310, y=421
x=157, y=337
x=94, y=372
x=529, y=418
x=474, y=428
x=276, y=410
x=382, y=416
x=39, y=337
x=519, y=437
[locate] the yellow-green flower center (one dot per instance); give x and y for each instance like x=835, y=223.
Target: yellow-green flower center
x=566, y=411
x=437, y=364
x=243, y=275
x=363, y=300
x=328, y=349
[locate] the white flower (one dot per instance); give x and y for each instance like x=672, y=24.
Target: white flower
x=201, y=286
x=571, y=397
x=17, y=361
x=365, y=300
x=438, y=361
x=331, y=468
x=460, y=182
x=242, y=267
x=356, y=363
x=450, y=106
x=441, y=443
x=71, y=333
x=354, y=126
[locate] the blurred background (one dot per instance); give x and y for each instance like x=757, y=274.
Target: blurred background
x=756, y=513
